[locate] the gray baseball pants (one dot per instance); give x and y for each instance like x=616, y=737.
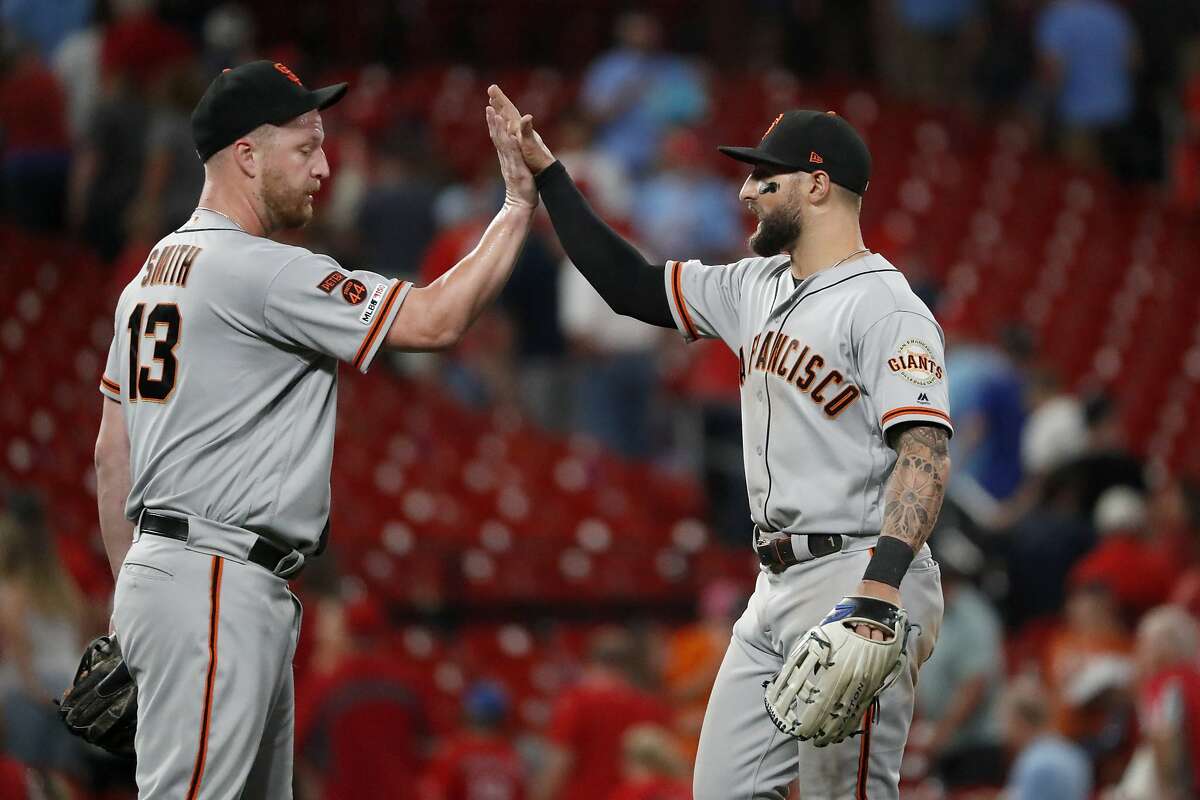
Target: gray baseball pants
x=209, y=639
x=743, y=756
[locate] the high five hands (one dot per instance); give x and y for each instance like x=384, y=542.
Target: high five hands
x=533, y=150
x=519, y=189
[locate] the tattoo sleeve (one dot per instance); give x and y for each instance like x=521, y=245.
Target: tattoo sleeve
x=914, y=492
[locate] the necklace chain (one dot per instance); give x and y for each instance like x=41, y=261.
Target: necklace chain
x=231, y=219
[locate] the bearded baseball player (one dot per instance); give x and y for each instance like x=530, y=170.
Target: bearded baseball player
x=216, y=436
x=845, y=433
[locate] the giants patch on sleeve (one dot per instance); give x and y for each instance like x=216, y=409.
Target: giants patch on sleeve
x=915, y=363
x=330, y=282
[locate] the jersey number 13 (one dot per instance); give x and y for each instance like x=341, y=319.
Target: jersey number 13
x=162, y=326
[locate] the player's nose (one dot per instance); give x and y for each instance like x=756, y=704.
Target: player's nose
x=749, y=190
x=321, y=166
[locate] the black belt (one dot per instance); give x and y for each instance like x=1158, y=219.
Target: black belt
x=777, y=553
x=270, y=557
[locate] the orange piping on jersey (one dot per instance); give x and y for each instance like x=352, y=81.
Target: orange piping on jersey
x=864, y=755
x=897, y=412
x=680, y=305
x=214, y=618
x=373, y=333
x=111, y=385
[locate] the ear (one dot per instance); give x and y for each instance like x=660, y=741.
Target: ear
x=247, y=157
x=821, y=188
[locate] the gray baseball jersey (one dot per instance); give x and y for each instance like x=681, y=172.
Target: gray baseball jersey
x=827, y=366
x=224, y=358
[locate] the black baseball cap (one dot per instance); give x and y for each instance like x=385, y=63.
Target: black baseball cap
x=807, y=141
x=259, y=93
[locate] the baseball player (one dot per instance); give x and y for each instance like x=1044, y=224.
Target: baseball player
x=216, y=438
x=845, y=433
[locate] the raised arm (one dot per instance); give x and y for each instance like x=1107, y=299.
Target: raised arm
x=436, y=316
x=628, y=283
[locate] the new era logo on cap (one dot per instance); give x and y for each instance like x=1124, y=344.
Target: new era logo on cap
x=813, y=158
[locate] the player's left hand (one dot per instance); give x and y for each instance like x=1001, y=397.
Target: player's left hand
x=880, y=591
x=519, y=188
x=834, y=674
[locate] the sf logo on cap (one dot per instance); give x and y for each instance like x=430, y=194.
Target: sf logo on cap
x=291, y=76
x=773, y=124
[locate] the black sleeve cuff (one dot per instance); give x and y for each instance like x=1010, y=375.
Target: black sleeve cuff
x=555, y=171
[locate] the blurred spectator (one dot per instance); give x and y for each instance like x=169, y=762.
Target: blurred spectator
x=1088, y=49
x=960, y=687
x=694, y=654
x=77, y=64
x=173, y=174
x=636, y=91
x=684, y=209
x=396, y=217
x=1130, y=560
x=651, y=766
x=41, y=616
x=45, y=24
x=1092, y=633
x=360, y=720
x=1043, y=546
x=599, y=175
x=613, y=364
x=106, y=172
x=35, y=154
x=1105, y=461
x=1167, y=764
x=588, y=721
x=929, y=60
x=229, y=37
x=988, y=409
x=1056, y=430
x=138, y=44
x=530, y=300
x=1047, y=766
x=478, y=763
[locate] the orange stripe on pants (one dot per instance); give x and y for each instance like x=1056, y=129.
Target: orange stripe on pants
x=214, y=618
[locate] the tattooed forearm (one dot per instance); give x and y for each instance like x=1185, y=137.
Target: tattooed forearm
x=914, y=492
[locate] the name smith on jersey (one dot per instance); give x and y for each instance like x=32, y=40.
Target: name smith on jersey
x=784, y=357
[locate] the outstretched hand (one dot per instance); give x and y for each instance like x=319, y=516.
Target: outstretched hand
x=533, y=150
x=519, y=189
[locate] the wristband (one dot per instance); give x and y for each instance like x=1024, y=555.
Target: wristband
x=890, y=562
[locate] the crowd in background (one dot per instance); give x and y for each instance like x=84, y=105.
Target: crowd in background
x=1068, y=656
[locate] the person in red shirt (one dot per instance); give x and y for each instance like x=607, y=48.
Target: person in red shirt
x=1167, y=766
x=1131, y=562
x=589, y=719
x=653, y=767
x=478, y=763
x=361, y=724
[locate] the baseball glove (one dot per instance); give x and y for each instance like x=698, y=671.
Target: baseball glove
x=101, y=704
x=833, y=674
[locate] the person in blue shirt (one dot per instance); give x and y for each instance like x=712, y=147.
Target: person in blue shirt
x=1048, y=766
x=1088, y=50
x=636, y=91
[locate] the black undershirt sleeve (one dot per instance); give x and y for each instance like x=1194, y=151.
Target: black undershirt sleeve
x=628, y=283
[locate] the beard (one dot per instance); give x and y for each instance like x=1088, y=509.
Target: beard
x=776, y=233
x=287, y=207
